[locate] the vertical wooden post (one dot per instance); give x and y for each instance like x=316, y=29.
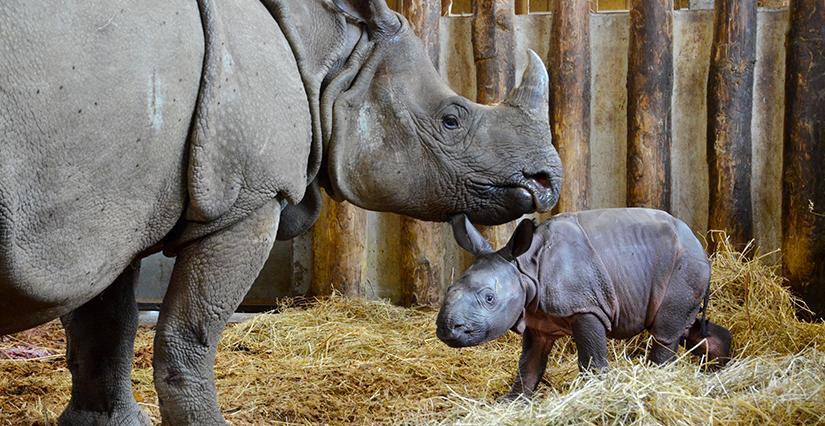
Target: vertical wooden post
x=730, y=100
x=422, y=248
x=570, y=99
x=803, y=186
x=495, y=59
x=493, y=49
x=446, y=7
x=339, y=247
x=767, y=128
x=522, y=7
x=423, y=16
x=649, y=87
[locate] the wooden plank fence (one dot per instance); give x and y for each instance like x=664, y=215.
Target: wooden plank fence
x=644, y=113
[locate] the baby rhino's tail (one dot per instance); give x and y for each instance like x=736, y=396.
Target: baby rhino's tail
x=709, y=340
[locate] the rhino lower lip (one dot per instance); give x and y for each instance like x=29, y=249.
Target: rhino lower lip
x=535, y=187
x=538, y=192
x=454, y=343
x=541, y=187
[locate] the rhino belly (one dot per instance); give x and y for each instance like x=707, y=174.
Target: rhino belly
x=95, y=107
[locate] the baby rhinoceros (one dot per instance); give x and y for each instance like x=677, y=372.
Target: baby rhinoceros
x=593, y=274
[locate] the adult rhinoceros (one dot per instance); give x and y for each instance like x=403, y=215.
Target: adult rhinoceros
x=195, y=128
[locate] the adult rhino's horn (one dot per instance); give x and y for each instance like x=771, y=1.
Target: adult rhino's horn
x=533, y=95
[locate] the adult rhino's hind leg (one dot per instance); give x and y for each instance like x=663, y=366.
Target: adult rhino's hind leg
x=210, y=279
x=101, y=337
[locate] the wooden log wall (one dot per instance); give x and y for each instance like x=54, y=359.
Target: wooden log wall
x=570, y=100
x=803, y=189
x=767, y=125
x=291, y=266
x=338, y=242
x=730, y=97
x=649, y=85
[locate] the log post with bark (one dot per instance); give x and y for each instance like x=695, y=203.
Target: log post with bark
x=339, y=248
x=495, y=61
x=522, y=7
x=446, y=7
x=649, y=88
x=730, y=100
x=422, y=247
x=570, y=99
x=803, y=186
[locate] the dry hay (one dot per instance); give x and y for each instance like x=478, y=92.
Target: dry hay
x=343, y=361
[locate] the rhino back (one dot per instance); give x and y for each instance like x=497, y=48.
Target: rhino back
x=96, y=99
x=639, y=249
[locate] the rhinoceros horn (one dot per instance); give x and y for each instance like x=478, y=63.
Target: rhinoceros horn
x=532, y=95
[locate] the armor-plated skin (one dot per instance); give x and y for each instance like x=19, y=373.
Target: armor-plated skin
x=593, y=275
x=205, y=129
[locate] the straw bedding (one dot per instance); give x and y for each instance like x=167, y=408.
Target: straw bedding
x=349, y=360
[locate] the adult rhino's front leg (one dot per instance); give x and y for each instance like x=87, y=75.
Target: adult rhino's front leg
x=209, y=281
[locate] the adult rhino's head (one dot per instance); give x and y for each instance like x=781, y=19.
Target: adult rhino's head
x=401, y=140
x=490, y=297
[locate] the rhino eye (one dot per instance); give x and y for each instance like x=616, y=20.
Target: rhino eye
x=490, y=298
x=450, y=122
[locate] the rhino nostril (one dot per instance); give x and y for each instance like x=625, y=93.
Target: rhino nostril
x=458, y=326
x=542, y=178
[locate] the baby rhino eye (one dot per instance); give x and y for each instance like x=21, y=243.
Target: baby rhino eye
x=489, y=297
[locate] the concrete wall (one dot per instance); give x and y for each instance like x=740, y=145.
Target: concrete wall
x=288, y=270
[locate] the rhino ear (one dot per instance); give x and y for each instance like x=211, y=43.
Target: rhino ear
x=521, y=240
x=468, y=237
x=378, y=17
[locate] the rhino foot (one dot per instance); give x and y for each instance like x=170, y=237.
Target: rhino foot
x=130, y=415
x=513, y=396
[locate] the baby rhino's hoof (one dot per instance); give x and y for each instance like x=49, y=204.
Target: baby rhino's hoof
x=129, y=415
x=512, y=397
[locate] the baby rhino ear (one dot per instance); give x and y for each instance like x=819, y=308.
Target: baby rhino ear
x=468, y=237
x=521, y=240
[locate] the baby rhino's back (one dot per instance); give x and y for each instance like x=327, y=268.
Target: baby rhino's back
x=641, y=250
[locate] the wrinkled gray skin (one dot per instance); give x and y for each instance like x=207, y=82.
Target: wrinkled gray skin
x=592, y=275
x=205, y=129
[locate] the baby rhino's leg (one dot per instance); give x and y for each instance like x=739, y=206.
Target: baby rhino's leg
x=591, y=342
x=678, y=309
x=535, y=348
x=715, y=345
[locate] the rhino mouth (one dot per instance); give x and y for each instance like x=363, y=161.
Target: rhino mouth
x=522, y=194
x=542, y=188
x=462, y=340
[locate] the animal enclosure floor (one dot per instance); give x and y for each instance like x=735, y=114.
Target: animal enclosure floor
x=343, y=361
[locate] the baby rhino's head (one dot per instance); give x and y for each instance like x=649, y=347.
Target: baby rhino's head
x=489, y=298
